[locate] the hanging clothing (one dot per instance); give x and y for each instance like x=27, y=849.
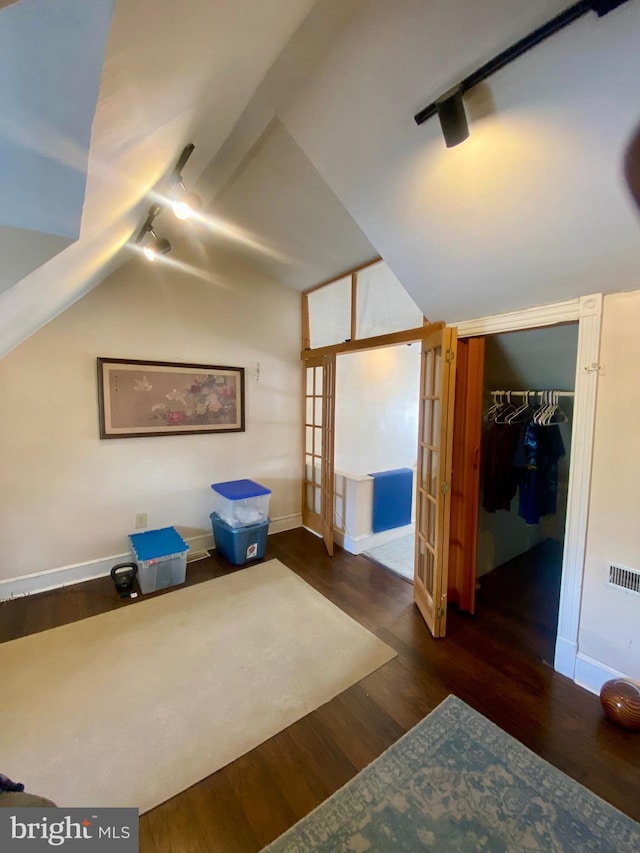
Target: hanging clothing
x=500, y=477
x=536, y=461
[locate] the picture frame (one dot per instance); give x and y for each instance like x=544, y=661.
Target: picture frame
x=139, y=398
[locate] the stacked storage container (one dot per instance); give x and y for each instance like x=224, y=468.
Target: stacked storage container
x=240, y=521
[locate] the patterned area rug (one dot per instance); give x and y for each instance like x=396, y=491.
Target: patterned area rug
x=458, y=782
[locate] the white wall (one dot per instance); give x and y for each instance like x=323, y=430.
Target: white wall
x=534, y=359
x=66, y=496
x=377, y=409
x=609, y=630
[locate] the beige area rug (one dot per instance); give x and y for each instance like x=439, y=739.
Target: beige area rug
x=131, y=707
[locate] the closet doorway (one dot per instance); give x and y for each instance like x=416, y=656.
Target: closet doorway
x=523, y=482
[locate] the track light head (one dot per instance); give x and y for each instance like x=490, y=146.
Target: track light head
x=453, y=119
x=156, y=247
x=186, y=204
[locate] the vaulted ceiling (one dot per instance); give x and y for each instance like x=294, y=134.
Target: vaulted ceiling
x=306, y=151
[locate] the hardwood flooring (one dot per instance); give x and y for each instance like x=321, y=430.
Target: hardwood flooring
x=494, y=662
x=525, y=593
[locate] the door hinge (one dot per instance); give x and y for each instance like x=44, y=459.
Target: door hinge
x=440, y=613
x=450, y=356
x=444, y=488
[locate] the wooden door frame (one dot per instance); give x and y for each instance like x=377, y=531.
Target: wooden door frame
x=587, y=311
x=360, y=345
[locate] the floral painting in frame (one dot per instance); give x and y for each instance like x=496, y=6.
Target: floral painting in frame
x=140, y=398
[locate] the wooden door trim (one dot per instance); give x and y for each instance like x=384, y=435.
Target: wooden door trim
x=391, y=339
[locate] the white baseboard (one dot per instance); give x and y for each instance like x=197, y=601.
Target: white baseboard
x=79, y=572
x=592, y=674
x=285, y=522
x=358, y=544
x=565, y=657
x=56, y=578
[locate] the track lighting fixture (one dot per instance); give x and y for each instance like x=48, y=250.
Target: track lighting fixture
x=156, y=247
x=450, y=108
x=185, y=204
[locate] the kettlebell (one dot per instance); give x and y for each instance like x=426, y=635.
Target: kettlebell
x=123, y=575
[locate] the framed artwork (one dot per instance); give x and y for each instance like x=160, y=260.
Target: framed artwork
x=139, y=398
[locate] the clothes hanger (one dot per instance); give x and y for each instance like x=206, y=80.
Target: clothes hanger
x=544, y=411
x=502, y=414
x=541, y=412
x=540, y=409
x=498, y=402
x=551, y=409
x=563, y=419
x=556, y=416
x=516, y=415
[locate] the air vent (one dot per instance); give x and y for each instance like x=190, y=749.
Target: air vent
x=628, y=579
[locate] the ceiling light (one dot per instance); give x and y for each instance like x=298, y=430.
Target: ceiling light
x=186, y=204
x=453, y=119
x=450, y=108
x=156, y=247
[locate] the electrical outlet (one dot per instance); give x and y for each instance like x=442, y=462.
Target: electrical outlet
x=141, y=520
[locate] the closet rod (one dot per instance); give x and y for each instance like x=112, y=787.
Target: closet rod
x=494, y=394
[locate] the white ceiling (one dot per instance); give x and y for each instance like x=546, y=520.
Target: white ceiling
x=306, y=148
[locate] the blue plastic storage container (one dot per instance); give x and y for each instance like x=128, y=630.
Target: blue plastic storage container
x=240, y=544
x=161, y=556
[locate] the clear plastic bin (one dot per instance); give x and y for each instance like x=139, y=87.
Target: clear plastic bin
x=241, y=502
x=161, y=556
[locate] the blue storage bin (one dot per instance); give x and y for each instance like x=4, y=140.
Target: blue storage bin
x=161, y=556
x=239, y=544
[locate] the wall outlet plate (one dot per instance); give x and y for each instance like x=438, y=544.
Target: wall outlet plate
x=141, y=520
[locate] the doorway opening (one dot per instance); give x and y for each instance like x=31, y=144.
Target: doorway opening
x=524, y=481
x=376, y=435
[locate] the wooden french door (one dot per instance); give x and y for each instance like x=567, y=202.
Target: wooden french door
x=319, y=382
x=435, y=445
x=465, y=474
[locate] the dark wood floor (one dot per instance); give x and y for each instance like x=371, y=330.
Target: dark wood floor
x=493, y=661
x=523, y=595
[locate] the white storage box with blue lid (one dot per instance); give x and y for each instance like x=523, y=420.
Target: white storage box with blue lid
x=241, y=502
x=161, y=556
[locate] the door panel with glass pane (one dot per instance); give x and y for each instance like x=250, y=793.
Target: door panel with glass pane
x=435, y=443
x=318, y=466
